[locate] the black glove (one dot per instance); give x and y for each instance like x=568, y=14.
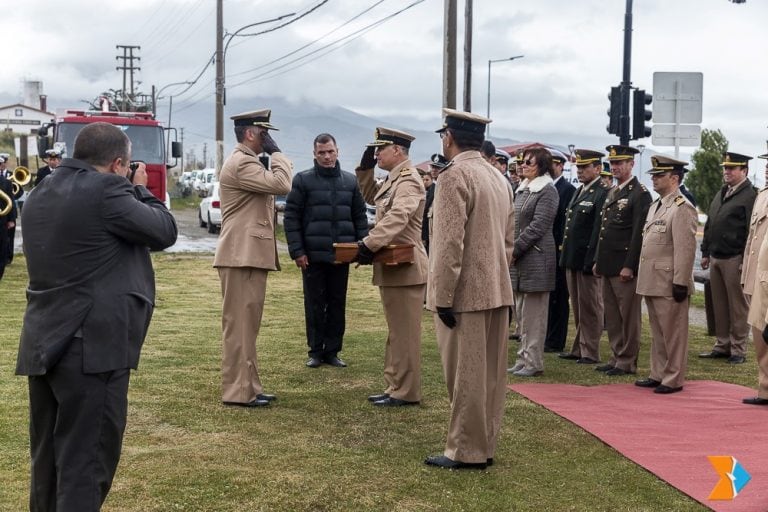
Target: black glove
x=679, y=292
x=268, y=144
x=765, y=334
x=364, y=254
x=368, y=161
x=446, y=316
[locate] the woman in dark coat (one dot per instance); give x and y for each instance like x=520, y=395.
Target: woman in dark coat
x=533, y=258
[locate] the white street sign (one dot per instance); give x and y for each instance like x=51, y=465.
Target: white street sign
x=677, y=97
x=687, y=135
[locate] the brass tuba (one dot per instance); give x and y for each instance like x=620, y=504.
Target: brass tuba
x=21, y=176
x=7, y=202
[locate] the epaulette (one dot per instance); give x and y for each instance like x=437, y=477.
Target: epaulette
x=680, y=200
x=406, y=171
x=642, y=187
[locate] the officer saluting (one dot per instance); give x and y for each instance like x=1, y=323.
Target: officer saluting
x=618, y=254
x=665, y=276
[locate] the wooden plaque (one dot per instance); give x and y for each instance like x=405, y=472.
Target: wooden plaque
x=393, y=254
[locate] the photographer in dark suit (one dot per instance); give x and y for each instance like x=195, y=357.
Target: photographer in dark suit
x=87, y=235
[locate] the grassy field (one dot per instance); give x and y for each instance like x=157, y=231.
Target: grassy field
x=322, y=446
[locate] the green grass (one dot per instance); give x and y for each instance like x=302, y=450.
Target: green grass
x=322, y=446
x=181, y=203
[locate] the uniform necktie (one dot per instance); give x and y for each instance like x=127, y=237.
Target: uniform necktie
x=729, y=192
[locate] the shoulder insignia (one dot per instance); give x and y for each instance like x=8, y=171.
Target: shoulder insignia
x=406, y=172
x=679, y=200
x=642, y=187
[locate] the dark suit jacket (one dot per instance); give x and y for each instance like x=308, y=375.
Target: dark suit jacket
x=582, y=227
x=425, y=219
x=87, y=237
x=621, y=232
x=42, y=173
x=565, y=192
x=727, y=226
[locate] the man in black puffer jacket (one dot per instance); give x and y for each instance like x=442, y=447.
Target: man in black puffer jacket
x=324, y=207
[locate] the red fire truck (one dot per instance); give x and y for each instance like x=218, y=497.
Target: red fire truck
x=147, y=140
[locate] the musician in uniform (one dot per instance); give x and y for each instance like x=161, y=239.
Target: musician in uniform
x=665, y=275
x=399, y=201
x=582, y=230
x=618, y=255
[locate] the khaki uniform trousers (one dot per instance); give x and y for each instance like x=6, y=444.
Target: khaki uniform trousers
x=403, y=306
x=243, y=290
x=761, y=352
x=622, y=321
x=587, y=306
x=669, y=347
x=533, y=310
x=730, y=306
x=474, y=356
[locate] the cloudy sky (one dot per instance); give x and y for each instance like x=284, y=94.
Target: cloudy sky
x=383, y=66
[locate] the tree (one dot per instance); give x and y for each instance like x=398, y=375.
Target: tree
x=706, y=178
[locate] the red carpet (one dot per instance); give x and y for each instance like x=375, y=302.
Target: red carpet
x=671, y=435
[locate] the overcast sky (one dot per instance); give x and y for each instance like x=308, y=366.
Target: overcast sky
x=573, y=55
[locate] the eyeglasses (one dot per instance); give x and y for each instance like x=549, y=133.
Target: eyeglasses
x=529, y=162
x=442, y=135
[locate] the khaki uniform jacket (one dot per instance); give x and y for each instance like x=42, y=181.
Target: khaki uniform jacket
x=757, y=230
x=758, y=306
x=247, y=192
x=399, y=204
x=473, y=229
x=669, y=247
x=621, y=231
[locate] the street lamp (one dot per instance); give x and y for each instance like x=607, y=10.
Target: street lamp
x=491, y=61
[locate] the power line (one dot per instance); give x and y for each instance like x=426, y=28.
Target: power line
x=357, y=34
x=173, y=49
x=171, y=30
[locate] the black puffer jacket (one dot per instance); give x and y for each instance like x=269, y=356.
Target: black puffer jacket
x=323, y=207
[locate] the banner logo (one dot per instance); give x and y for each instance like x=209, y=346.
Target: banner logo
x=733, y=477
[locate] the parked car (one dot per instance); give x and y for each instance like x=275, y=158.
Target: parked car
x=203, y=179
x=209, y=212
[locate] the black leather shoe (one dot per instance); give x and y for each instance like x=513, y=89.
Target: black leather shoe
x=514, y=337
x=647, y=383
x=255, y=403
x=441, y=461
x=552, y=349
x=755, y=401
x=604, y=368
x=335, y=361
x=376, y=398
x=737, y=360
x=569, y=356
x=489, y=462
x=715, y=354
x=393, y=402
x=264, y=396
x=665, y=390
x=313, y=362
x=586, y=360
x=617, y=372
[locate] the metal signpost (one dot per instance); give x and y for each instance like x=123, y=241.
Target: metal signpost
x=677, y=109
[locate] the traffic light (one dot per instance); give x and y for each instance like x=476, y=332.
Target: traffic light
x=614, y=111
x=639, y=115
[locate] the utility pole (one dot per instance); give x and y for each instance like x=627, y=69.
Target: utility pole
x=205, y=155
x=449, y=54
x=468, y=56
x=128, y=66
x=219, y=85
x=626, y=82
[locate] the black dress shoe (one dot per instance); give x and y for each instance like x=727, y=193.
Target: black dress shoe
x=376, y=398
x=665, y=390
x=441, y=461
x=604, y=367
x=586, y=360
x=264, y=396
x=254, y=403
x=755, y=401
x=393, y=402
x=647, y=383
x=335, y=361
x=613, y=372
x=552, y=349
x=568, y=355
x=514, y=337
x=489, y=462
x=737, y=360
x=313, y=362
x=715, y=354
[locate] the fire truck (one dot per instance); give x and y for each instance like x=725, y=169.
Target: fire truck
x=148, y=140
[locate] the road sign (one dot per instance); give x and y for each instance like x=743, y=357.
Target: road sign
x=677, y=97
x=687, y=135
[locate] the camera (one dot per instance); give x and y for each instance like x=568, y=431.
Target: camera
x=133, y=166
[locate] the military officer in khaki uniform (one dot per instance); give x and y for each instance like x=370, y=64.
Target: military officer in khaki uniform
x=399, y=201
x=577, y=257
x=665, y=275
x=247, y=251
x=754, y=279
x=722, y=249
x=618, y=255
x=470, y=290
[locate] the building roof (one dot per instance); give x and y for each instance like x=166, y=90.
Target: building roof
x=15, y=105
